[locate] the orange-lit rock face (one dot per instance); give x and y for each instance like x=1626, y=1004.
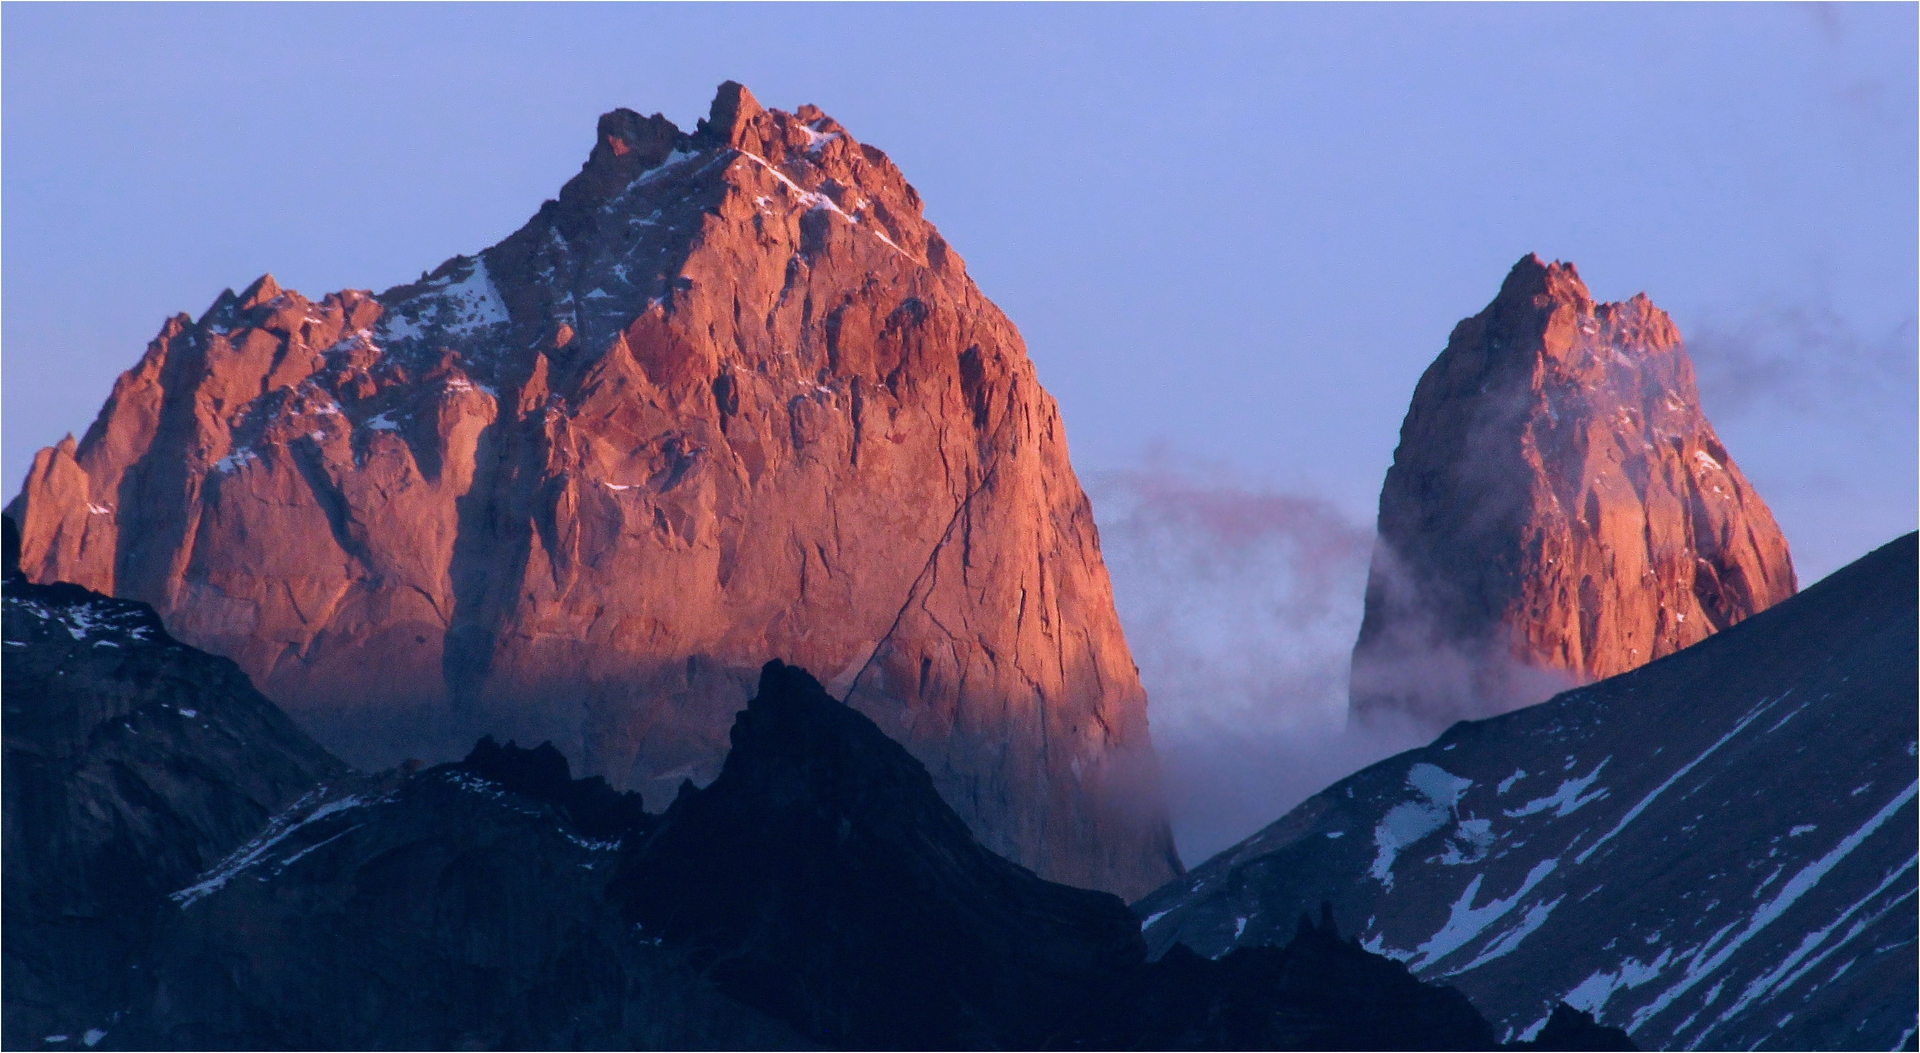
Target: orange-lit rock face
x=729, y=397
x=1558, y=511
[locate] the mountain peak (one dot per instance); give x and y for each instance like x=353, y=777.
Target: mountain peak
x=522, y=488
x=1533, y=282
x=1559, y=509
x=732, y=112
x=263, y=290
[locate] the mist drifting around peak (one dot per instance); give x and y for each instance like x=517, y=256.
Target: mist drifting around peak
x=1241, y=605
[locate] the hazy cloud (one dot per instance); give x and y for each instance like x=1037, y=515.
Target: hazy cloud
x=1801, y=359
x=1241, y=605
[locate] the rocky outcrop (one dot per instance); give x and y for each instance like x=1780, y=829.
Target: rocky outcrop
x=1558, y=511
x=1318, y=992
x=132, y=764
x=729, y=394
x=1714, y=851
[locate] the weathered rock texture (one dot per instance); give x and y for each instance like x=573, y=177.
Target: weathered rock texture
x=1558, y=511
x=730, y=395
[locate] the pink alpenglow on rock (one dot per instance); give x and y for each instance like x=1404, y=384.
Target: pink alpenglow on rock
x=1559, y=510
x=729, y=397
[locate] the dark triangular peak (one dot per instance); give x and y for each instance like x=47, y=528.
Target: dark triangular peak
x=822, y=878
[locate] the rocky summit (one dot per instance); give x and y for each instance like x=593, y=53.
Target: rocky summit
x=1558, y=511
x=730, y=394
x=1714, y=851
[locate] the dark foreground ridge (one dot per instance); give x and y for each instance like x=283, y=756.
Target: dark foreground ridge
x=821, y=879
x=592, y=808
x=818, y=893
x=132, y=764
x=1713, y=851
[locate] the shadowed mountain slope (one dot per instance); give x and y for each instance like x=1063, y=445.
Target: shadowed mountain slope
x=1714, y=850
x=132, y=763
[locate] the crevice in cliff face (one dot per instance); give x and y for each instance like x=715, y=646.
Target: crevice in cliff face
x=156, y=491
x=306, y=459
x=480, y=551
x=930, y=568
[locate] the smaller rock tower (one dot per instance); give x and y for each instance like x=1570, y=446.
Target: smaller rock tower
x=1559, y=510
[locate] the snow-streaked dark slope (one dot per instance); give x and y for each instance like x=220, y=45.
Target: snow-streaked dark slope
x=1716, y=850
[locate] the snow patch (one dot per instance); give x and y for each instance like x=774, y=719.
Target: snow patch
x=1535, y=917
x=236, y=460
x=1465, y=921
x=1785, y=975
x=1797, y=886
x=253, y=851
x=817, y=140
x=815, y=201
x=451, y=307
x=1408, y=822
x=1475, y=836
x=1595, y=991
x=1567, y=799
